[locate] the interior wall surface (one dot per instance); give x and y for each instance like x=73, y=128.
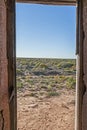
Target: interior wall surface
x=4, y=97
x=84, y=117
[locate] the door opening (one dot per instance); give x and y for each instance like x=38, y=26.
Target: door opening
x=46, y=67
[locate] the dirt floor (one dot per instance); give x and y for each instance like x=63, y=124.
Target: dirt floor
x=53, y=113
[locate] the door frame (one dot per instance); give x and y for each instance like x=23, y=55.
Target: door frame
x=10, y=55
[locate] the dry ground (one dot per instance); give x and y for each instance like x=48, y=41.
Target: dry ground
x=46, y=94
x=54, y=113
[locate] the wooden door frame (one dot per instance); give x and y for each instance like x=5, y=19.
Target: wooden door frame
x=10, y=58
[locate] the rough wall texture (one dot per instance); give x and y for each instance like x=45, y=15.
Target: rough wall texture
x=84, y=121
x=4, y=104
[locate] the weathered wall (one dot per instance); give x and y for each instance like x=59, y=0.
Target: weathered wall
x=4, y=102
x=84, y=121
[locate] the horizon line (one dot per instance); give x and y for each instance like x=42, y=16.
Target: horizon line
x=43, y=58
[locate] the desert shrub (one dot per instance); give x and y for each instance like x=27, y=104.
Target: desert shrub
x=19, y=84
x=43, y=86
x=53, y=83
x=52, y=93
x=71, y=82
x=19, y=72
x=60, y=79
x=41, y=65
x=37, y=64
x=65, y=65
x=49, y=87
x=31, y=82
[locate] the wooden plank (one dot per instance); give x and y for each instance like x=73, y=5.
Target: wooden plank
x=11, y=55
x=80, y=89
x=77, y=28
x=51, y=2
x=4, y=97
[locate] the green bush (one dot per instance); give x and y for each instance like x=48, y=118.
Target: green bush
x=65, y=65
x=53, y=93
x=19, y=84
x=71, y=82
x=19, y=72
x=49, y=87
x=39, y=66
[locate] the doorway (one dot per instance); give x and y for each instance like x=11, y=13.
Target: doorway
x=40, y=82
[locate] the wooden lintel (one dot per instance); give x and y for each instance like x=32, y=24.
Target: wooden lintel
x=49, y=2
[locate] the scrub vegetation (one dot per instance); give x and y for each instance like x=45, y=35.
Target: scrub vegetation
x=46, y=83
x=44, y=77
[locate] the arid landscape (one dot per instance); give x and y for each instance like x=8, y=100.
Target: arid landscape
x=46, y=94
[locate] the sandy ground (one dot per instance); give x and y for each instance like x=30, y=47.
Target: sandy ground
x=54, y=113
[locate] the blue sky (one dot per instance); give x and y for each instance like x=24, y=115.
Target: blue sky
x=45, y=31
